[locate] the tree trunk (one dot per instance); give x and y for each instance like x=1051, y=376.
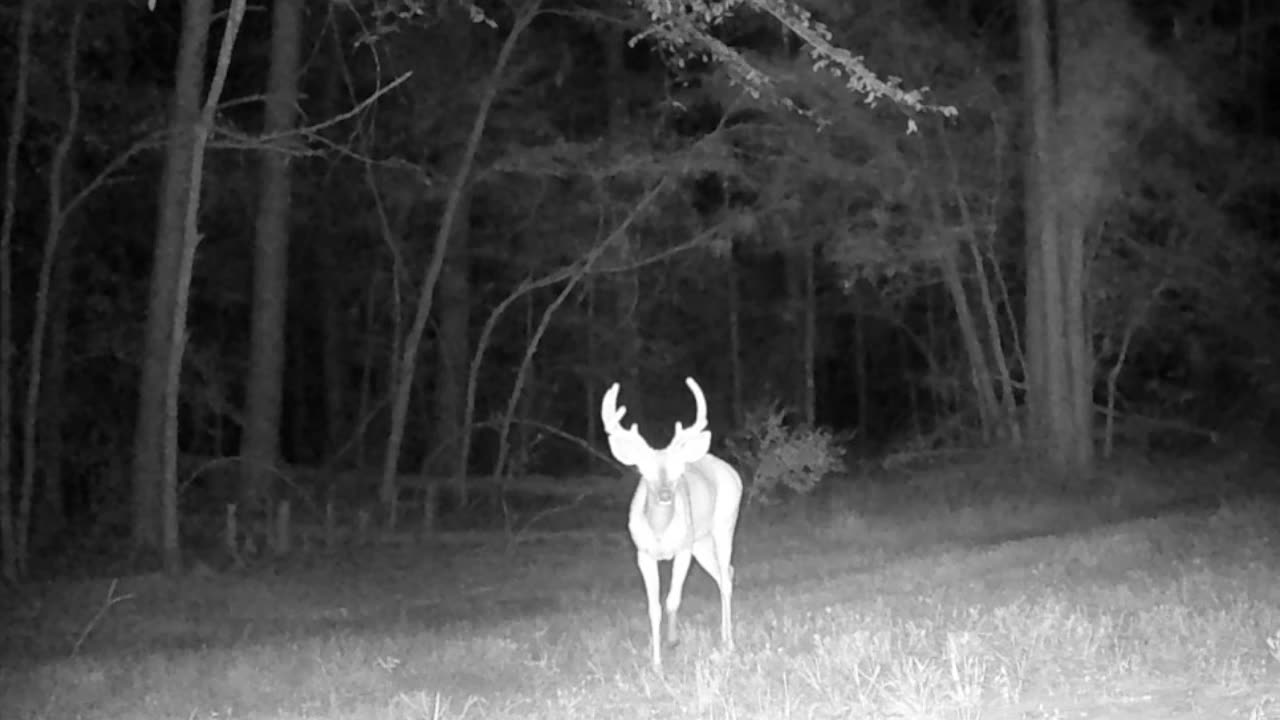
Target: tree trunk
x=737, y=410
x=996, y=342
x=171, y=548
x=48, y=261
x=979, y=370
x=365, y=403
x=53, y=414
x=796, y=318
x=810, y=340
x=17, y=124
x=184, y=114
x=335, y=359
x=861, y=384
x=261, y=440
x=592, y=433
x=334, y=367
x=401, y=392
x=1059, y=403
x=297, y=398
x=526, y=408
x=453, y=350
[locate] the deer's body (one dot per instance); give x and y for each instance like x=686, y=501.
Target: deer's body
x=663, y=530
x=685, y=508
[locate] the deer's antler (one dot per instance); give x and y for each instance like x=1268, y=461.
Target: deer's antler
x=612, y=416
x=700, y=421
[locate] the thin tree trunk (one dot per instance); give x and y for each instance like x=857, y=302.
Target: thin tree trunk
x=861, y=384
x=979, y=372
x=593, y=359
x=810, y=340
x=980, y=375
x=335, y=364
x=40, y=324
x=426, y=292
x=53, y=413
x=453, y=348
x=366, y=375
x=297, y=399
x=735, y=339
x=913, y=390
x=170, y=537
x=996, y=342
x=584, y=267
x=573, y=274
x=261, y=439
x=794, y=329
x=334, y=367
x=149, y=432
x=12, y=563
x=1006, y=412
x=524, y=371
x=526, y=433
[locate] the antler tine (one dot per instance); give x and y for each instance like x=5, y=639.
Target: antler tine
x=700, y=421
x=612, y=415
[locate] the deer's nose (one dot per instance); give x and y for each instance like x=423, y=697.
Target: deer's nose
x=666, y=495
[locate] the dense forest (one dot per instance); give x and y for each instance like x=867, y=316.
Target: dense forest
x=381, y=255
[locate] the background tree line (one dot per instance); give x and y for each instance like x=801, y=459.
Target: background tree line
x=422, y=238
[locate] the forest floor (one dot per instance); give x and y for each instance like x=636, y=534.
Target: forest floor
x=1154, y=594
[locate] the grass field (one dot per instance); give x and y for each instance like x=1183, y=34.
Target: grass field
x=942, y=593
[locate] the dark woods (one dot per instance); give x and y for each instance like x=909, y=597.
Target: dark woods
x=378, y=262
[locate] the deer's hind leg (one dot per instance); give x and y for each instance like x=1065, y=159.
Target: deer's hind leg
x=717, y=564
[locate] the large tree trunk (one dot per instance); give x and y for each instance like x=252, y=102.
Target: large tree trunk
x=261, y=439
x=184, y=114
x=1058, y=381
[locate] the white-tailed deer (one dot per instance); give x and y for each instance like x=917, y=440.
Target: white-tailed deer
x=686, y=506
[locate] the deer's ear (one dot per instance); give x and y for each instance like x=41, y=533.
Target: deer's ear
x=695, y=446
x=629, y=449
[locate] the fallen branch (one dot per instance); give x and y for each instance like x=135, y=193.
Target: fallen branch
x=109, y=602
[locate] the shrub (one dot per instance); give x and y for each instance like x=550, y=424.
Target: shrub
x=781, y=458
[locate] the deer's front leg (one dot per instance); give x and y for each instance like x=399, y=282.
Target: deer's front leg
x=649, y=571
x=679, y=570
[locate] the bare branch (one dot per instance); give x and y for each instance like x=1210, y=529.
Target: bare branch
x=110, y=601
x=228, y=139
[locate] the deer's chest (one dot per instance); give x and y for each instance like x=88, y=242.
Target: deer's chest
x=659, y=530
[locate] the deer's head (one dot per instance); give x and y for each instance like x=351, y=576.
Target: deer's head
x=661, y=469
